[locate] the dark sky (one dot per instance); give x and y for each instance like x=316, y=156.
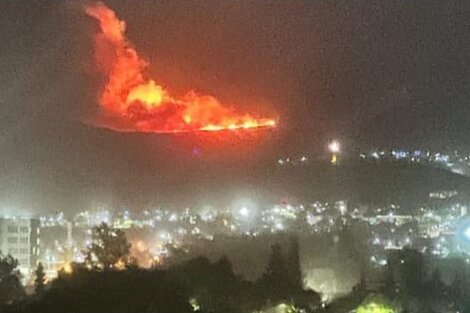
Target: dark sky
x=372, y=73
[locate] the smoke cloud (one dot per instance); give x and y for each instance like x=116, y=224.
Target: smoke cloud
x=130, y=101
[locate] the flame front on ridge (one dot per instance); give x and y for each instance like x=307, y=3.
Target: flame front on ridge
x=130, y=101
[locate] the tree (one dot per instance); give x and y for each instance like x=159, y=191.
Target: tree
x=40, y=280
x=407, y=268
x=293, y=261
x=361, y=286
x=275, y=283
x=10, y=285
x=277, y=270
x=281, y=283
x=457, y=290
x=112, y=292
x=389, y=283
x=436, y=286
x=109, y=248
x=214, y=286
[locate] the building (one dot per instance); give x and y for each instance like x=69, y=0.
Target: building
x=19, y=237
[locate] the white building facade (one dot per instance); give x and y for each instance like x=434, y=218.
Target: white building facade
x=19, y=237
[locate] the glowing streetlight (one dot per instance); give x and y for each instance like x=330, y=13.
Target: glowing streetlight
x=463, y=235
x=244, y=212
x=466, y=233
x=334, y=148
x=68, y=268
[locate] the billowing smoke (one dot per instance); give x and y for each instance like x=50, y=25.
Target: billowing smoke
x=131, y=101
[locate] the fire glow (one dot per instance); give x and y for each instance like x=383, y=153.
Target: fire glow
x=132, y=102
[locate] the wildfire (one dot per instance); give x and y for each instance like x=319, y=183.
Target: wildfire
x=130, y=101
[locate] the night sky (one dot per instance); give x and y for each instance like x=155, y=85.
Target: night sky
x=370, y=73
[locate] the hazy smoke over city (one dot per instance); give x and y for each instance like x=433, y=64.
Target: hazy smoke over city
x=295, y=156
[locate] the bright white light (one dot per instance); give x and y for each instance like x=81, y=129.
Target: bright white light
x=334, y=147
x=244, y=212
x=467, y=232
x=173, y=217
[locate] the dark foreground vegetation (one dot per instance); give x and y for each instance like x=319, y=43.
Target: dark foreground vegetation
x=110, y=281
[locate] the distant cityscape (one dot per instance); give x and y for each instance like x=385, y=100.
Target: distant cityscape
x=438, y=230
x=234, y=157
x=456, y=161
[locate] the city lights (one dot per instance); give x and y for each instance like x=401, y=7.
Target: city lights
x=334, y=146
x=68, y=268
x=234, y=156
x=244, y=212
x=375, y=308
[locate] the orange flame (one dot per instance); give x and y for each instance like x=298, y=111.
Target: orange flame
x=132, y=102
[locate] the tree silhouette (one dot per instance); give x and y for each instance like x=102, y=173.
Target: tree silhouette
x=213, y=286
x=389, y=283
x=282, y=280
x=293, y=262
x=109, y=248
x=457, y=290
x=40, y=280
x=407, y=268
x=361, y=286
x=136, y=290
x=275, y=284
x=276, y=272
x=436, y=286
x=10, y=285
